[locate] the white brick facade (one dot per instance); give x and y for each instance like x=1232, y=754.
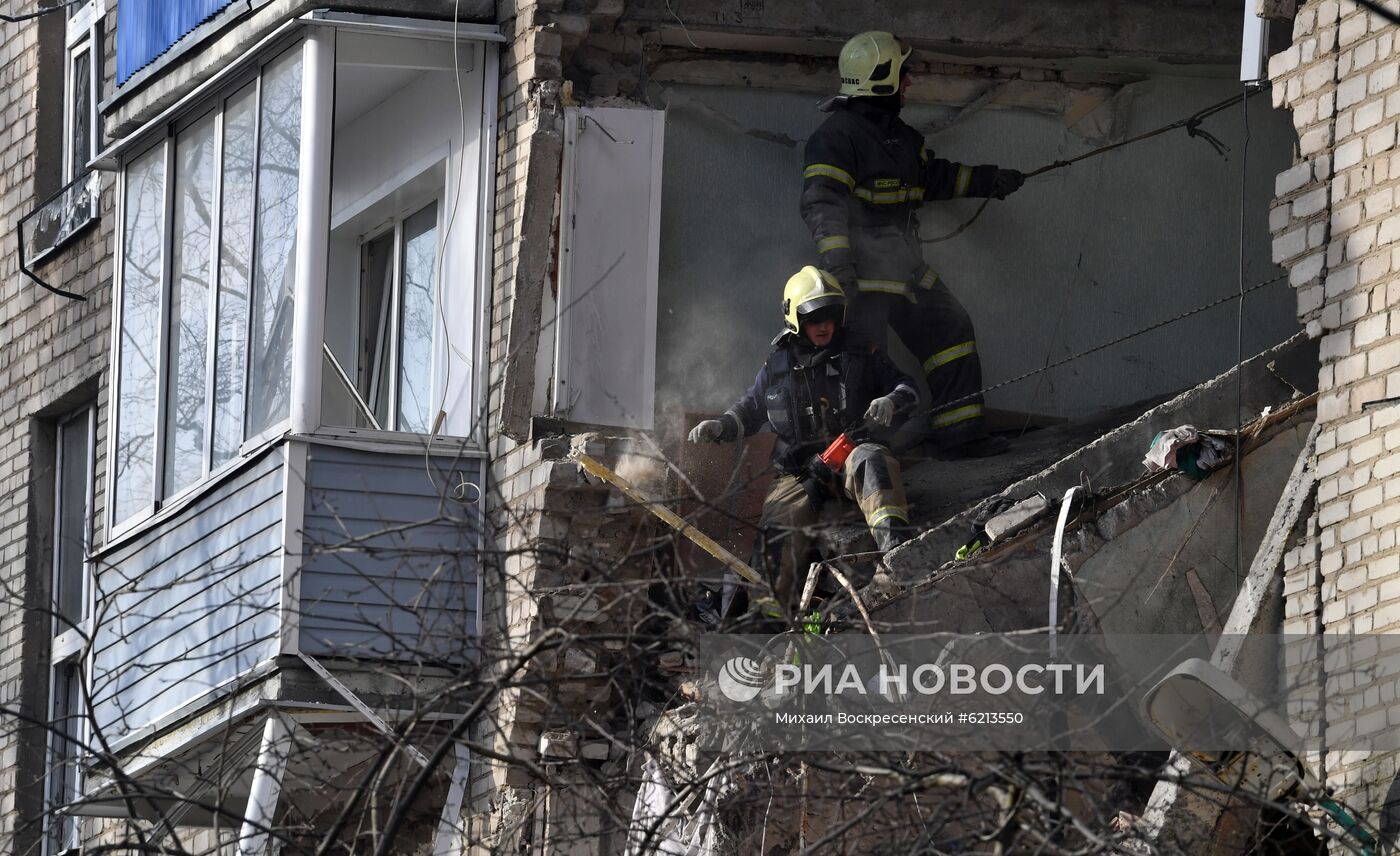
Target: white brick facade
x=1335, y=229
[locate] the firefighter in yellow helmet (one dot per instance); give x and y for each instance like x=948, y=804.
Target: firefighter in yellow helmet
x=867, y=173
x=815, y=385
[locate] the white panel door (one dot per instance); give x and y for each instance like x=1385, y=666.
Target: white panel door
x=605, y=371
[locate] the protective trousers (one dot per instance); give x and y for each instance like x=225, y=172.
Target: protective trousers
x=870, y=477
x=937, y=330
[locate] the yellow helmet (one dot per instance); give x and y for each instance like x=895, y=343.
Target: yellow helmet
x=871, y=64
x=810, y=290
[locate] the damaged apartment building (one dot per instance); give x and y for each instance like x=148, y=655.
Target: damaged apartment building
x=312, y=308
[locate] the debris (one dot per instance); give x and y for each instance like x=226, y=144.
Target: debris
x=1185, y=448
x=660, y=824
x=558, y=746
x=1016, y=516
x=703, y=541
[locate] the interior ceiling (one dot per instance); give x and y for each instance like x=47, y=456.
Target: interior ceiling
x=359, y=88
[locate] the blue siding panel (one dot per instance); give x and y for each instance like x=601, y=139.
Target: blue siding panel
x=190, y=604
x=389, y=568
x=148, y=28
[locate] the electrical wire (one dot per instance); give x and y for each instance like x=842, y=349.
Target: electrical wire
x=1104, y=346
x=1239, y=350
x=1191, y=124
x=439, y=412
x=1373, y=6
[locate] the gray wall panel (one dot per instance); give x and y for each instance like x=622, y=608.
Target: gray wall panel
x=389, y=568
x=191, y=603
x=1076, y=258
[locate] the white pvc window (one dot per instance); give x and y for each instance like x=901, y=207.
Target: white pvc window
x=70, y=606
x=397, y=289
x=81, y=80
x=207, y=267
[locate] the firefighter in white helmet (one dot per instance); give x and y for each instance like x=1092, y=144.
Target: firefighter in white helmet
x=815, y=385
x=867, y=173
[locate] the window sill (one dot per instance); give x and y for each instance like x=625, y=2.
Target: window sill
x=394, y=442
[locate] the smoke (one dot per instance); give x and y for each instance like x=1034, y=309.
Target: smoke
x=646, y=473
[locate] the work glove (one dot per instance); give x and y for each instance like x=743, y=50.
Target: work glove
x=1007, y=182
x=816, y=482
x=880, y=412
x=709, y=431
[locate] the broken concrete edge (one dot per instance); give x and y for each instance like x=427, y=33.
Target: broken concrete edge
x=1189, y=35
x=533, y=268
x=887, y=591
x=1115, y=458
x=1165, y=806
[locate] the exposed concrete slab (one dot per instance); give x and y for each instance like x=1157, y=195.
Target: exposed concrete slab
x=1177, y=817
x=1138, y=581
x=1116, y=556
x=1116, y=457
x=1205, y=31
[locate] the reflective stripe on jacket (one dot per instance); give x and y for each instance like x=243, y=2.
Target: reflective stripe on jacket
x=810, y=396
x=867, y=173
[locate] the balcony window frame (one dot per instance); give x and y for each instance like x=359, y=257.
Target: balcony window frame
x=393, y=225
x=305, y=414
x=68, y=650
x=165, y=138
x=83, y=37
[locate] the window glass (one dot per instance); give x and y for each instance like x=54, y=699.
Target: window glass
x=278, y=158
x=376, y=349
x=66, y=729
x=71, y=518
x=235, y=265
x=186, y=411
x=420, y=252
x=80, y=111
x=133, y=464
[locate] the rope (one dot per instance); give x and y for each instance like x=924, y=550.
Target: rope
x=1118, y=341
x=1191, y=123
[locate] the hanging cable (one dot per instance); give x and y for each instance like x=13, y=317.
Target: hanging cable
x=1118, y=341
x=1373, y=6
x=1239, y=350
x=1191, y=124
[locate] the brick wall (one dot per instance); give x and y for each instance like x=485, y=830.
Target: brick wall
x=53, y=357
x=1335, y=225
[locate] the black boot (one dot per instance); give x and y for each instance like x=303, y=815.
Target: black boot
x=888, y=536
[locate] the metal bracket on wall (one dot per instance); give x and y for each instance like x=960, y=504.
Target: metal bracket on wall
x=375, y=719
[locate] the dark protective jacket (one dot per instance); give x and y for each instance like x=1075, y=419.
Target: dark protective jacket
x=867, y=173
x=809, y=396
